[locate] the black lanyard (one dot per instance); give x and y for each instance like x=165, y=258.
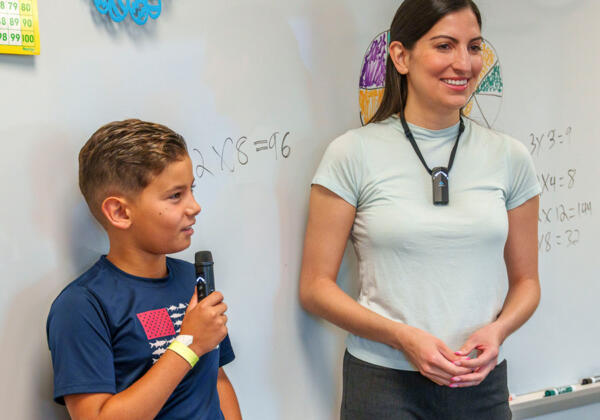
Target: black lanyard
x=439, y=175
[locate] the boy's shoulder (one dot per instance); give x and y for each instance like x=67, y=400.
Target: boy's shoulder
x=90, y=280
x=103, y=282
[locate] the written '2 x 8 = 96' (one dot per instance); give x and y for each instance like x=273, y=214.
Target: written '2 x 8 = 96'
x=231, y=153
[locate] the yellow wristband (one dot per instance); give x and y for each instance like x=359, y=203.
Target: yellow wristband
x=184, y=351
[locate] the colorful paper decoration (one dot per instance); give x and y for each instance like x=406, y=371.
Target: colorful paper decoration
x=139, y=10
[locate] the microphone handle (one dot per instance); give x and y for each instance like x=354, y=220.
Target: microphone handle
x=205, y=280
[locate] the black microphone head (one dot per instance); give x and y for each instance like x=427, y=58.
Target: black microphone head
x=203, y=257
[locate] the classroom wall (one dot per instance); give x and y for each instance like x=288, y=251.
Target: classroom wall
x=226, y=75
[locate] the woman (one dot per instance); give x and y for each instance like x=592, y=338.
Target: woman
x=447, y=273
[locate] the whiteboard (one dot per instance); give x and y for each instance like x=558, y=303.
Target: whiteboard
x=282, y=77
x=550, y=103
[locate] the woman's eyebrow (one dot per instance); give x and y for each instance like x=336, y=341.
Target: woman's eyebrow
x=478, y=38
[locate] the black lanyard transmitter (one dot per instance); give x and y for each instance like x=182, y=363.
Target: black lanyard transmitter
x=439, y=179
x=439, y=175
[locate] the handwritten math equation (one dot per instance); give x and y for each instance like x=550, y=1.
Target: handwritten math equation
x=548, y=241
x=555, y=220
x=234, y=153
x=553, y=182
x=563, y=213
x=550, y=140
x=562, y=221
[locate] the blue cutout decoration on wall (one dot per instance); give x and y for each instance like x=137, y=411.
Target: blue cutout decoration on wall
x=138, y=9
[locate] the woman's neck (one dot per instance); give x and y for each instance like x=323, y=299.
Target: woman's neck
x=430, y=118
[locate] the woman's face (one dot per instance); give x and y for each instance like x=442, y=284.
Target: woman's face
x=443, y=66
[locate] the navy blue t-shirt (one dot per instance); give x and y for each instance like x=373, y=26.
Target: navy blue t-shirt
x=107, y=328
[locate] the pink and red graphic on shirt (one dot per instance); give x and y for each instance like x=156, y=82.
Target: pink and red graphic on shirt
x=156, y=323
x=159, y=323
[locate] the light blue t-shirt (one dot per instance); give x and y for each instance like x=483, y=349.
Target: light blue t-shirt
x=437, y=268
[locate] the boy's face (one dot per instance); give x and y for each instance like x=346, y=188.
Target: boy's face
x=163, y=213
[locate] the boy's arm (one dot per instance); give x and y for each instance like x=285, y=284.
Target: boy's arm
x=142, y=400
x=145, y=397
x=229, y=403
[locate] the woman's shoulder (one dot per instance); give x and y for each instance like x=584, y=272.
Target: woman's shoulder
x=489, y=136
x=372, y=131
x=345, y=146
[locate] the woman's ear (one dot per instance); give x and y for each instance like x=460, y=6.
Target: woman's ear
x=116, y=211
x=399, y=55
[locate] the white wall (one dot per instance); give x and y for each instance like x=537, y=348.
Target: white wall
x=213, y=70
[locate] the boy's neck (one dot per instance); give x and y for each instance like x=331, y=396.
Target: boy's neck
x=139, y=264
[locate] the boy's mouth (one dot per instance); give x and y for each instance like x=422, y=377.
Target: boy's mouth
x=188, y=229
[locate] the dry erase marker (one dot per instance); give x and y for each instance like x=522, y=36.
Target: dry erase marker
x=561, y=390
x=590, y=380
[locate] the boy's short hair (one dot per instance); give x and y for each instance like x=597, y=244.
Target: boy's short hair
x=122, y=157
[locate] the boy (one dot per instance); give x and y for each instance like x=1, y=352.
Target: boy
x=113, y=331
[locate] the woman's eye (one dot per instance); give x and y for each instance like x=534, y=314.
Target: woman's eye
x=443, y=47
x=476, y=48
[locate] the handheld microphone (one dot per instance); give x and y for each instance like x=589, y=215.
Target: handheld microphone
x=205, y=276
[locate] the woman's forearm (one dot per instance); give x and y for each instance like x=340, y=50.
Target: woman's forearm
x=521, y=301
x=521, y=256
x=324, y=298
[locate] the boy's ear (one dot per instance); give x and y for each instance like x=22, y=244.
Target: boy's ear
x=116, y=211
x=400, y=57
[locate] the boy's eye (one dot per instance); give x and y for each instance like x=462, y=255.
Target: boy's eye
x=175, y=196
x=193, y=186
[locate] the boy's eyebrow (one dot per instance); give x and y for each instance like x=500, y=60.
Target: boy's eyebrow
x=177, y=187
x=478, y=38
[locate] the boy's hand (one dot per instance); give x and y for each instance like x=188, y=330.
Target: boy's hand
x=206, y=322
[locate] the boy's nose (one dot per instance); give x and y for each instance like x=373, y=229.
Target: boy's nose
x=194, y=207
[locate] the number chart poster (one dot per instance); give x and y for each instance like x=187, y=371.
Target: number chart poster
x=19, y=31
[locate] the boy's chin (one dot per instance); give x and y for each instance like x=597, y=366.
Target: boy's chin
x=176, y=248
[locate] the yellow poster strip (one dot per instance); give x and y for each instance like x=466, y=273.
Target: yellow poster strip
x=19, y=29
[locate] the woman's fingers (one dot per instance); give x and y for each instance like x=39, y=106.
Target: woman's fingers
x=442, y=368
x=474, y=378
x=447, y=353
x=484, y=358
x=433, y=358
x=447, y=362
x=466, y=349
x=463, y=384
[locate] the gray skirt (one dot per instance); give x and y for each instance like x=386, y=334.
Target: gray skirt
x=373, y=392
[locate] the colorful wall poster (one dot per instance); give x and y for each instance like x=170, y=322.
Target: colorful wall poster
x=19, y=30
